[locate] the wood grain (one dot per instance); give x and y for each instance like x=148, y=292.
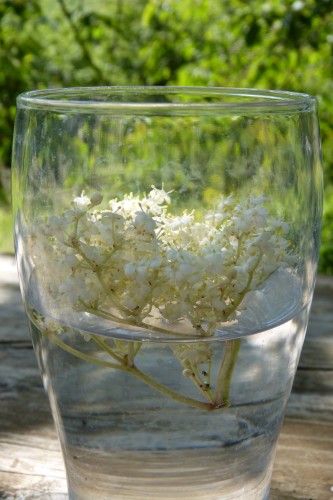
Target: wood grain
x=31, y=465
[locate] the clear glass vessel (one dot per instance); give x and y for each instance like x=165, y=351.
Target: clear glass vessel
x=167, y=242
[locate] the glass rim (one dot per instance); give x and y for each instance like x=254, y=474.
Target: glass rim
x=85, y=100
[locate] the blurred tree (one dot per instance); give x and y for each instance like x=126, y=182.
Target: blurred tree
x=286, y=44
x=17, y=44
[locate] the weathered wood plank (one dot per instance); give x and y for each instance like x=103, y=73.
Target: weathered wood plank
x=31, y=465
x=32, y=487
x=31, y=462
x=13, y=322
x=26, y=457
x=304, y=461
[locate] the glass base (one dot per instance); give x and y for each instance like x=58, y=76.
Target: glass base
x=202, y=475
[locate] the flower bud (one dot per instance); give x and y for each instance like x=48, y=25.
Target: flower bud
x=96, y=198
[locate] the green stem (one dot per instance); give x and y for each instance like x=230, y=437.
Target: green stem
x=205, y=391
x=131, y=354
x=223, y=380
x=162, y=389
x=200, y=384
x=116, y=319
x=166, y=391
x=81, y=355
x=107, y=349
x=245, y=290
x=112, y=297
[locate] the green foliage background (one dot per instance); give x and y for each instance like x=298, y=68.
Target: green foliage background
x=273, y=44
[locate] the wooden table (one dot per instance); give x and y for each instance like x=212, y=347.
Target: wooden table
x=31, y=465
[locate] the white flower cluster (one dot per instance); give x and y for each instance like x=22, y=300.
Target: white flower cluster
x=139, y=263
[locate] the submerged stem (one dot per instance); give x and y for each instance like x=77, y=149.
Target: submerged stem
x=81, y=355
x=166, y=391
x=107, y=349
x=140, y=324
x=133, y=370
x=223, y=381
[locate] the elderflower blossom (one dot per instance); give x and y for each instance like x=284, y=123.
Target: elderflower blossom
x=141, y=264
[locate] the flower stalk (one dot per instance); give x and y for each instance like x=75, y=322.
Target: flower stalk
x=181, y=276
x=223, y=380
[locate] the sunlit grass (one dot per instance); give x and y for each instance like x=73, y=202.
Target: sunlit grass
x=6, y=231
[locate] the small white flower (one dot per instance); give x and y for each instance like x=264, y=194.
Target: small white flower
x=159, y=196
x=81, y=202
x=144, y=223
x=138, y=257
